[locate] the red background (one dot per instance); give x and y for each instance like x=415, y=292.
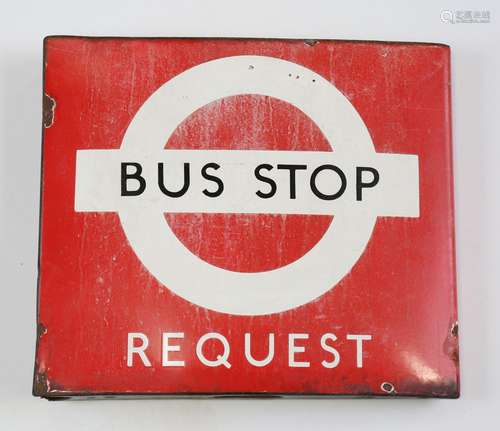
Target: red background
x=93, y=290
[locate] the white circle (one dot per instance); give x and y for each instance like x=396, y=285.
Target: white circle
x=196, y=280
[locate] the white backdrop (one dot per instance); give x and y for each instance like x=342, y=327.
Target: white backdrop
x=475, y=62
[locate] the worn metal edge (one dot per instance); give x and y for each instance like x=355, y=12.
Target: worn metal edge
x=453, y=230
x=306, y=40
x=84, y=396
x=38, y=387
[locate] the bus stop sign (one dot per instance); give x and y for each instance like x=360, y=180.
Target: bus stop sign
x=246, y=217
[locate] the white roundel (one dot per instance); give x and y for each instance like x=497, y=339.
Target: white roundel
x=168, y=260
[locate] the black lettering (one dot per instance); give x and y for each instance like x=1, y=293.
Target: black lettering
x=178, y=193
x=341, y=175
x=269, y=181
x=292, y=169
x=360, y=185
x=218, y=181
x=134, y=176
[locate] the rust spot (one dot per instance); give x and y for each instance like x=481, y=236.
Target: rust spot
x=49, y=106
x=439, y=389
x=41, y=385
x=450, y=345
x=311, y=42
x=48, y=389
x=454, y=329
x=388, y=388
x=454, y=356
x=40, y=330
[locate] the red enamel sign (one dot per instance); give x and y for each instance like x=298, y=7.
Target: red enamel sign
x=224, y=217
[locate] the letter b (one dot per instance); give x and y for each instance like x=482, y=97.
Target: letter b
x=134, y=176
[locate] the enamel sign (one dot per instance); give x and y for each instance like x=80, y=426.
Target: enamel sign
x=260, y=217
